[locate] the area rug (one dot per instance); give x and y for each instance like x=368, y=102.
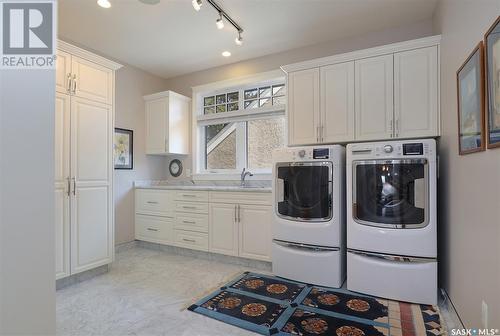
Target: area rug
x=270, y=305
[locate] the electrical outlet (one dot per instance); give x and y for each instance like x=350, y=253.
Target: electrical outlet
x=484, y=314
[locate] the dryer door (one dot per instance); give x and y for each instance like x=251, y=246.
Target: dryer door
x=391, y=193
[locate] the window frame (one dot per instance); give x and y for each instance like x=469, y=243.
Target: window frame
x=200, y=120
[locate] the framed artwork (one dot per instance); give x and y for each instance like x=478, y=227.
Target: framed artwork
x=124, y=149
x=470, y=96
x=492, y=51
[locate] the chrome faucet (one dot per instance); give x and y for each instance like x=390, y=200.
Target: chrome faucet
x=244, y=174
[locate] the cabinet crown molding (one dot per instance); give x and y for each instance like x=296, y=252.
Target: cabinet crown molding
x=82, y=53
x=166, y=94
x=364, y=53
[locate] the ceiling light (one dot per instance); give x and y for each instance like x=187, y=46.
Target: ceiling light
x=219, y=23
x=226, y=53
x=196, y=4
x=239, y=39
x=104, y=3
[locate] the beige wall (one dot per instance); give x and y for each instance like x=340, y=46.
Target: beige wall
x=183, y=84
x=469, y=185
x=131, y=85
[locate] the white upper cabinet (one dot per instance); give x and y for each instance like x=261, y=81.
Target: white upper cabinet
x=167, y=123
x=381, y=93
x=416, y=93
x=337, y=102
x=374, y=98
x=92, y=81
x=303, y=107
x=63, y=72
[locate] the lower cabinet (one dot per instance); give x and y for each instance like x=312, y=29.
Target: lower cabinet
x=255, y=231
x=223, y=230
x=230, y=223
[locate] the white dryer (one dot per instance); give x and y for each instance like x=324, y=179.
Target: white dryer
x=309, y=214
x=392, y=220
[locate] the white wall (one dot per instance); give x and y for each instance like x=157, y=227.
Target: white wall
x=131, y=85
x=27, y=236
x=469, y=227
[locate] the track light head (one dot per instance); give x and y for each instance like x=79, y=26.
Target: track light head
x=219, y=22
x=239, y=40
x=196, y=4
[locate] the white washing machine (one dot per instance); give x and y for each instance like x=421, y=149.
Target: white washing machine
x=309, y=216
x=392, y=220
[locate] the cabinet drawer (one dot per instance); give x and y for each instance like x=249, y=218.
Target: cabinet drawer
x=154, y=229
x=191, y=196
x=191, y=222
x=192, y=207
x=192, y=240
x=257, y=198
x=154, y=202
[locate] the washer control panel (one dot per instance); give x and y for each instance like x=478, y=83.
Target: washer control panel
x=309, y=154
x=392, y=149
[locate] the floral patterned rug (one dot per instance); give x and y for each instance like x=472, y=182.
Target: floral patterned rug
x=270, y=305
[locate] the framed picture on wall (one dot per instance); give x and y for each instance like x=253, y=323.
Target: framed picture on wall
x=492, y=51
x=124, y=149
x=470, y=96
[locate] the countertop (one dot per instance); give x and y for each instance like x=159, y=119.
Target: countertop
x=251, y=186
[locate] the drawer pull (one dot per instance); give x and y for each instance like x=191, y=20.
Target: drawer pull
x=189, y=240
x=187, y=195
x=152, y=202
x=151, y=229
x=188, y=207
x=189, y=222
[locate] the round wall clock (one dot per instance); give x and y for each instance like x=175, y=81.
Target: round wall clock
x=175, y=168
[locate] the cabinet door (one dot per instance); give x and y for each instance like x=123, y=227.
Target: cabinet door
x=156, y=126
x=61, y=176
x=91, y=204
x=337, y=103
x=303, y=107
x=374, y=98
x=416, y=93
x=255, y=231
x=63, y=71
x=223, y=229
x=93, y=81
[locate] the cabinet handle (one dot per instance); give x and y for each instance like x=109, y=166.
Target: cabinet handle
x=74, y=186
x=317, y=133
x=239, y=214
x=152, y=202
x=188, y=222
x=235, y=216
x=69, y=186
x=189, y=240
x=322, y=133
x=397, y=128
x=74, y=84
x=188, y=207
x=188, y=195
x=151, y=229
x=68, y=89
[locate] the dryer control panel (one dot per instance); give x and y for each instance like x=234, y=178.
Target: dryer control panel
x=393, y=149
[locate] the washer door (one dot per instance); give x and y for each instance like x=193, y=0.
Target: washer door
x=391, y=193
x=304, y=191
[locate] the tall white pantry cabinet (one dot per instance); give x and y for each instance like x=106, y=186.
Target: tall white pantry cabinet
x=84, y=129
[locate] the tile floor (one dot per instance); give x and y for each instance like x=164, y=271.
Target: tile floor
x=145, y=293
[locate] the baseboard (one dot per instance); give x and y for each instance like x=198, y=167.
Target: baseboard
x=255, y=264
x=125, y=246
x=448, y=311
x=80, y=277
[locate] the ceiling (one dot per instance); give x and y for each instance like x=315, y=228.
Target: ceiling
x=170, y=39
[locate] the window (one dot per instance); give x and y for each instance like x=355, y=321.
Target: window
x=240, y=128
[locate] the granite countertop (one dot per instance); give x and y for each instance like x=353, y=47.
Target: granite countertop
x=251, y=186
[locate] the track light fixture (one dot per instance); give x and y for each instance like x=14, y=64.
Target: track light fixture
x=196, y=4
x=220, y=21
x=239, y=40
